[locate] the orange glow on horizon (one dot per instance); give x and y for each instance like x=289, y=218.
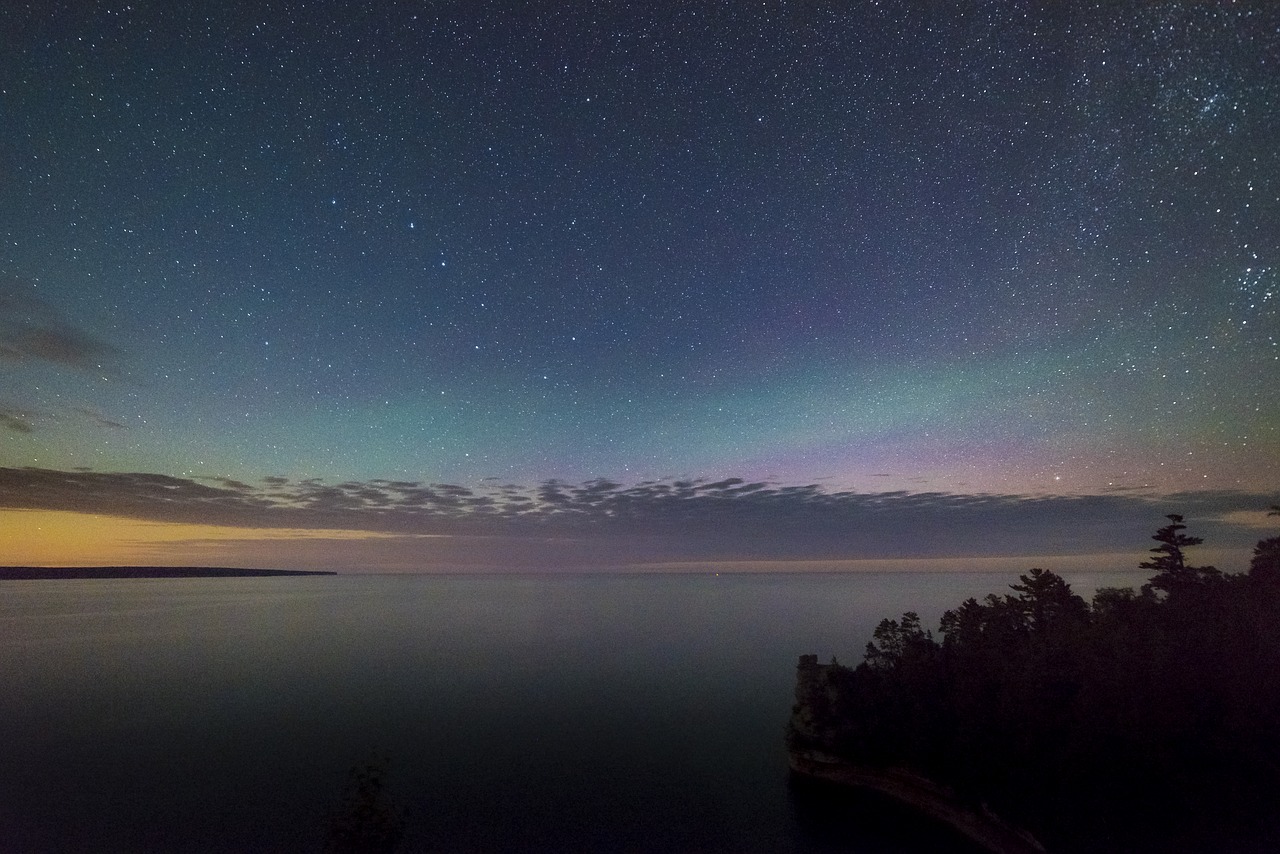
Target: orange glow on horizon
x=67, y=538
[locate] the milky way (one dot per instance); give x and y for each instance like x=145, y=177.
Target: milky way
x=1013, y=248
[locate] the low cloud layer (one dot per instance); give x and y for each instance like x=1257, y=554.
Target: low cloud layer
x=603, y=523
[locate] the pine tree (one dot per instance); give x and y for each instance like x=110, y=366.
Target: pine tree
x=1265, y=566
x=1173, y=573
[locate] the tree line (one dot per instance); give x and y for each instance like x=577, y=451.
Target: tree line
x=1147, y=718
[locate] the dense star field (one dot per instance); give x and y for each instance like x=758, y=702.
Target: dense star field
x=1011, y=249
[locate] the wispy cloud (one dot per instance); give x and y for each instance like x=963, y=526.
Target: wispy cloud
x=603, y=523
x=99, y=418
x=33, y=330
x=15, y=420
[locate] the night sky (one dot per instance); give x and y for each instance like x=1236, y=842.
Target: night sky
x=645, y=282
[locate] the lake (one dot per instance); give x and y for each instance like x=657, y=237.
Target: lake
x=598, y=712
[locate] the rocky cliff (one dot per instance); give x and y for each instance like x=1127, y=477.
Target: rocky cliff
x=813, y=738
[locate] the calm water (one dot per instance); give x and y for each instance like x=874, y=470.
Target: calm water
x=520, y=713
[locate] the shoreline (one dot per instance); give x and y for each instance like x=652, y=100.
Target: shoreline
x=925, y=797
x=809, y=755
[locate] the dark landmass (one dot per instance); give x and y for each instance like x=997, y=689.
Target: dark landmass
x=979, y=825
x=1143, y=721
x=24, y=573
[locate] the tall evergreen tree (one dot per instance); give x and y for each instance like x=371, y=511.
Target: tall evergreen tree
x=1172, y=572
x=1265, y=566
x=1048, y=602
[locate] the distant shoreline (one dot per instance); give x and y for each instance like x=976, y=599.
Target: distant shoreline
x=41, y=573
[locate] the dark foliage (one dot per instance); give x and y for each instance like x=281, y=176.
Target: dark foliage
x=1173, y=573
x=1142, y=713
x=366, y=821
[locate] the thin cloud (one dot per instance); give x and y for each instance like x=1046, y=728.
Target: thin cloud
x=98, y=418
x=14, y=420
x=32, y=330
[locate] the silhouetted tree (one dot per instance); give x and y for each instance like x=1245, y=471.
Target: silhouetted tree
x=894, y=642
x=366, y=820
x=1173, y=573
x=1048, y=602
x=1264, y=568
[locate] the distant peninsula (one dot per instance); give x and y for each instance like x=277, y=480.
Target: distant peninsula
x=27, y=573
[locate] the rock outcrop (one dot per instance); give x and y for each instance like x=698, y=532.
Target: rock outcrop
x=812, y=740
